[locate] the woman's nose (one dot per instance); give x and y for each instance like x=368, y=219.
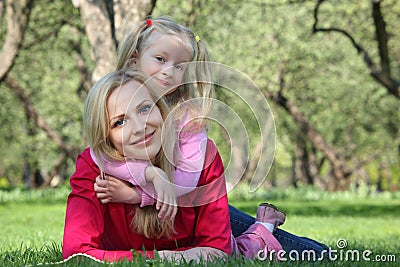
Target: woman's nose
x=138, y=125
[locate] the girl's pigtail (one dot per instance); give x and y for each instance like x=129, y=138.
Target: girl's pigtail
x=204, y=78
x=129, y=46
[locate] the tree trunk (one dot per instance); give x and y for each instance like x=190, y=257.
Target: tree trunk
x=98, y=25
x=382, y=73
x=302, y=167
x=34, y=117
x=341, y=171
x=17, y=15
x=106, y=23
x=125, y=18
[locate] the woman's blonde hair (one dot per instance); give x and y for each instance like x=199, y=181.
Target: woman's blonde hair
x=97, y=130
x=196, y=84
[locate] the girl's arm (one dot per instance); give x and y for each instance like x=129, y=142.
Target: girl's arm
x=132, y=171
x=166, y=198
x=189, y=163
x=213, y=231
x=113, y=190
x=191, y=150
x=116, y=190
x=189, y=160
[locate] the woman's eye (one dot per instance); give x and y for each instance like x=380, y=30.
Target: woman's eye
x=119, y=123
x=161, y=59
x=145, y=109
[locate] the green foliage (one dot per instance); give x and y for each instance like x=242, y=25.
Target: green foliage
x=21, y=195
x=324, y=77
x=311, y=193
x=46, y=70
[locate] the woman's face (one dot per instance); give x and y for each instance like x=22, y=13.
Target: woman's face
x=164, y=58
x=135, y=121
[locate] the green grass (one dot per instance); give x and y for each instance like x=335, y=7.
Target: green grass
x=31, y=227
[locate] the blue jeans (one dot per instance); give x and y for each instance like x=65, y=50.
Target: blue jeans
x=240, y=221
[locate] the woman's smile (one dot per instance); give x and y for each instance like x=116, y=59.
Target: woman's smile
x=137, y=133
x=145, y=140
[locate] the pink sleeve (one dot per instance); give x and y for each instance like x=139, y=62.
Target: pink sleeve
x=148, y=194
x=132, y=171
x=189, y=160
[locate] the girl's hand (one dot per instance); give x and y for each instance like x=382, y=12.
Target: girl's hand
x=115, y=190
x=166, y=195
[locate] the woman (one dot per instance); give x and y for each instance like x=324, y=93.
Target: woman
x=123, y=118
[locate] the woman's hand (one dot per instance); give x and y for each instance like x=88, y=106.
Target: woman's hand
x=195, y=254
x=166, y=195
x=115, y=190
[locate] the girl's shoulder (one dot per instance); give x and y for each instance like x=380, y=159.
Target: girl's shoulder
x=189, y=119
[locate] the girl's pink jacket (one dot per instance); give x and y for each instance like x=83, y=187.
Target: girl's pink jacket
x=103, y=231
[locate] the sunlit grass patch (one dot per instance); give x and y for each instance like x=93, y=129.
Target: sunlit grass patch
x=32, y=228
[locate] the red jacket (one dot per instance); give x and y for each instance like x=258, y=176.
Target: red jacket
x=103, y=231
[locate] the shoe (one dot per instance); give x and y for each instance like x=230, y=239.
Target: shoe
x=270, y=214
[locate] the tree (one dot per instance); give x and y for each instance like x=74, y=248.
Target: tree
x=382, y=73
x=106, y=22
x=28, y=40
x=17, y=17
x=335, y=121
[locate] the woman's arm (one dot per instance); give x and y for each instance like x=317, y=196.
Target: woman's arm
x=210, y=202
x=196, y=254
x=85, y=215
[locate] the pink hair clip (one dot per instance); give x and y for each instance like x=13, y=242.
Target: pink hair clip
x=149, y=22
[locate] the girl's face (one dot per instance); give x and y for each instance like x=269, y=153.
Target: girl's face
x=164, y=58
x=135, y=121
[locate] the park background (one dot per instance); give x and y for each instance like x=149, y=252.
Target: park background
x=330, y=71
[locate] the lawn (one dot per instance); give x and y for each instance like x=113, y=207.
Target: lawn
x=32, y=227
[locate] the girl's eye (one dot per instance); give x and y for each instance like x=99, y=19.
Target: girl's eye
x=179, y=66
x=119, y=122
x=160, y=59
x=145, y=109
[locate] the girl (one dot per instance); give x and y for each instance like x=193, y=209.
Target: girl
x=162, y=48
x=123, y=118
x=177, y=60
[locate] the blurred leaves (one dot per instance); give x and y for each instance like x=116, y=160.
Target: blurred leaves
x=324, y=77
